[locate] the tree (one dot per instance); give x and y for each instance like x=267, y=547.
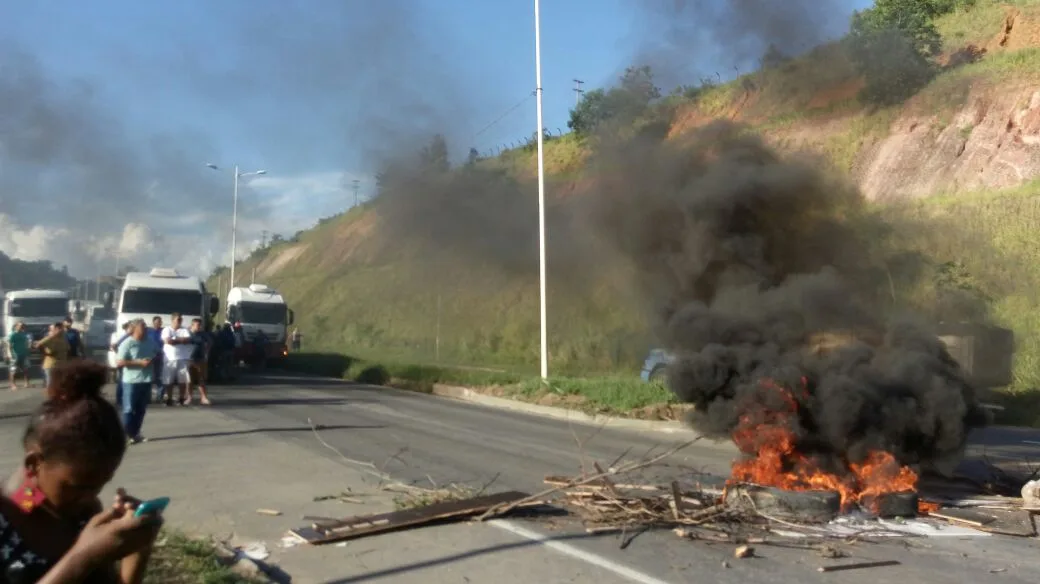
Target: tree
x=631, y=97
x=276, y=239
x=474, y=156
x=891, y=45
x=773, y=58
x=434, y=156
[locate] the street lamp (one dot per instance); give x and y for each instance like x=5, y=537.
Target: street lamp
x=234, y=213
x=541, y=188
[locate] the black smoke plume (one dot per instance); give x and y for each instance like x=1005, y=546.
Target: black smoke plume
x=762, y=268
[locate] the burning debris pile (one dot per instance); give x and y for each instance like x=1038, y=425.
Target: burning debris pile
x=767, y=284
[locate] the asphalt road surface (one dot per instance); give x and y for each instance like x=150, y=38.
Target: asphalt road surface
x=426, y=440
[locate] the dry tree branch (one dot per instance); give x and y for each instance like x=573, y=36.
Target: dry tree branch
x=625, y=468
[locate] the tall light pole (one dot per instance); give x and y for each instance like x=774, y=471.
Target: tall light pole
x=234, y=215
x=541, y=188
x=357, y=183
x=578, y=91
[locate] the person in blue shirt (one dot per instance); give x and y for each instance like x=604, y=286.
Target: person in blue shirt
x=135, y=357
x=75, y=340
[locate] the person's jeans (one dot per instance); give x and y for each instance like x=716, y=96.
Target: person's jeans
x=157, y=366
x=119, y=387
x=46, y=378
x=136, y=397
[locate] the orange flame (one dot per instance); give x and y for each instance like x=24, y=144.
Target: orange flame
x=765, y=435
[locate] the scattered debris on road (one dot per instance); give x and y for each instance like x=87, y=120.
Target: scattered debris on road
x=271, y=512
x=857, y=566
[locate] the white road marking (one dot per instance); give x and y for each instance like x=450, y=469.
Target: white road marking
x=569, y=550
x=1031, y=442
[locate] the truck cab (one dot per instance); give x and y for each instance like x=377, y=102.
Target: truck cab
x=260, y=309
x=162, y=292
x=38, y=309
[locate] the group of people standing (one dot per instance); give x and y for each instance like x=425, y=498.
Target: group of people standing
x=162, y=358
x=63, y=342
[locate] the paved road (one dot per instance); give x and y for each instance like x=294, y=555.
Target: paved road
x=427, y=440
x=262, y=455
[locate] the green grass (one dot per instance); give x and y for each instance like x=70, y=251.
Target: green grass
x=612, y=394
x=609, y=395
x=979, y=23
x=184, y=560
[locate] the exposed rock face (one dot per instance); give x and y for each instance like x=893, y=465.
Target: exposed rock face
x=992, y=141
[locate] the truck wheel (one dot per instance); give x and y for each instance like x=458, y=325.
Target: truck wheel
x=659, y=375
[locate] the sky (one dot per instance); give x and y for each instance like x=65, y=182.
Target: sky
x=114, y=108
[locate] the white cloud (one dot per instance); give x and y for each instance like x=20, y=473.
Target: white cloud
x=276, y=204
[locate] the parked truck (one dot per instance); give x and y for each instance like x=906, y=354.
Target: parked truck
x=37, y=309
x=260, y=309
x=984, y=352
x=162, y=292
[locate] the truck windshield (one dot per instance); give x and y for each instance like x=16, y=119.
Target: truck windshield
x=103, y=313
x=261, y=313
x=161, y=302
x=56, y=308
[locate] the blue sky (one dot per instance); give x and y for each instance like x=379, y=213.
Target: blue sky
x=312, y=90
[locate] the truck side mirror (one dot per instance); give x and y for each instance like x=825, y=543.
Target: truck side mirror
x=292, y=317
x=214, y=305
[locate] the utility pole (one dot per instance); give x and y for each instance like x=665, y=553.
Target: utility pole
x=263, y=239
x=578, y=91
x=357, y=183
x=541, y=192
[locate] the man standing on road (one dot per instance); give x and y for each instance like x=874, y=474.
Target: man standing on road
x=114, y=342
x=74, y=339
x=176, y=355
x=18, y=349
x=55, y=349
x=155, y=334
x=136, y=356
x=201, y=342
x=296, y=336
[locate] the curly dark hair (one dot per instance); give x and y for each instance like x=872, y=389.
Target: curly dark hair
x=75, y=423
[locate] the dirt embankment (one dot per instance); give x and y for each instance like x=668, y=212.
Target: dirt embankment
x=991, y=142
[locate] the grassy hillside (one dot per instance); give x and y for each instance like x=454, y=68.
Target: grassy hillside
x=357, y=290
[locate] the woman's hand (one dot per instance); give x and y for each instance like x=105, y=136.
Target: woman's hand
x=114, y=534
x=124, y=501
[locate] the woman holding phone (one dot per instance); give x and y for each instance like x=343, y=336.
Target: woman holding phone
x=53, y=527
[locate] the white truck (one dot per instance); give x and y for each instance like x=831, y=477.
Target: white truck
x=259, y=308
x=162, y=292
x=38, y=309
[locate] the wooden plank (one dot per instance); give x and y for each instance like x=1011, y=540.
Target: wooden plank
x=965, y=516
x=1010, y=522
x=362, y=525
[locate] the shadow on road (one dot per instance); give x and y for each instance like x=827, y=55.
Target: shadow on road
x=397, y=570
x=229, y=403
x=262, y=431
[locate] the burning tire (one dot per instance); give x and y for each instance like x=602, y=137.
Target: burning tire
x=889, y=505
x=797, y=506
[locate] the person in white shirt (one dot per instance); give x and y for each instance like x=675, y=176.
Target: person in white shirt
x=177, y=349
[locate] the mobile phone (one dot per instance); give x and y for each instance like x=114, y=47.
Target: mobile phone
x=153, y=507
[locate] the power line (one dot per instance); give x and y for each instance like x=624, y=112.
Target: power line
x=501, y=117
